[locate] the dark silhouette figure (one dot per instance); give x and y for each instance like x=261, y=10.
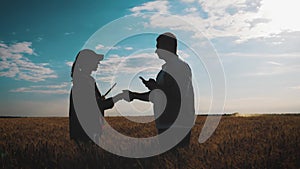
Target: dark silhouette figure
x=175, y=81
x=87, y=106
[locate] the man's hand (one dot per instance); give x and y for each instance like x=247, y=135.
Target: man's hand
x=128, y=95
x=150, y=84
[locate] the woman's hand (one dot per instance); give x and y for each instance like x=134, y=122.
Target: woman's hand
x=118, y=97
x=126, y=95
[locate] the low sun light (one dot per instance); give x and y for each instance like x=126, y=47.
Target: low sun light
x=282, y=13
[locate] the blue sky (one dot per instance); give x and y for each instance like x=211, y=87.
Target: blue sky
x=257, y=45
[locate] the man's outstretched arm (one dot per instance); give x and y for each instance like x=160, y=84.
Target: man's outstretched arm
x=134, y=95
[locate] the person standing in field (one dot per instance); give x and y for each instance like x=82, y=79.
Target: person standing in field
x=175, y=81
x=87, y=106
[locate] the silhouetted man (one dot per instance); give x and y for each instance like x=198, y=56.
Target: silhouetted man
x=175, y=81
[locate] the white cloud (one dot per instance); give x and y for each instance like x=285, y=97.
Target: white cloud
x=63, y=88
x=128, y=48
x=173, y=22
x=183, y=54
x=274, y=69
x=12, y=72
x=102, y=47
x=68, y=33
x=22, y=47
x=106, y=78
x=3, y=45
x=39, y=39
x=193, y=9
x=127, y=65
x=99, y=46
x=154, y=6
x=295, y=87
x=15, y=64
x=271, y=55
x=187, y=1
x=115, y=67
x=274, y=63
x=58, y=86
x=238, y=18
x=69, y=64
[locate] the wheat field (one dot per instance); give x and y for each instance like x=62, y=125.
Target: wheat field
x=268, y=141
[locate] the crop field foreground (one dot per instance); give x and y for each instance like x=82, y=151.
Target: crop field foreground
x=267, y=141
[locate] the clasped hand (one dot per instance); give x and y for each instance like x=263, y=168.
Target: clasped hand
x=126, y=95
x=129, y=95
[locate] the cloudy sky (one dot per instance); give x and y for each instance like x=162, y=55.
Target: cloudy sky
x=253, y=43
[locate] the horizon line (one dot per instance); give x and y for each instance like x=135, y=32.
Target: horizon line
x=238, y=114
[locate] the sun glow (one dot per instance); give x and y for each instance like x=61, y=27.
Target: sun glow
x=283, y=14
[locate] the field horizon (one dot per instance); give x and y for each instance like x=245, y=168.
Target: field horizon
x=199, y=114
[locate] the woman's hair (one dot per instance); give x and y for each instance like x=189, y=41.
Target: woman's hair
x=73, y=66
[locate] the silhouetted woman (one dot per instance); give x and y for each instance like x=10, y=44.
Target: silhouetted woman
x=87, y=107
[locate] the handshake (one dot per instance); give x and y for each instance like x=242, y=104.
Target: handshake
x=129, y=95
x=125, y=95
